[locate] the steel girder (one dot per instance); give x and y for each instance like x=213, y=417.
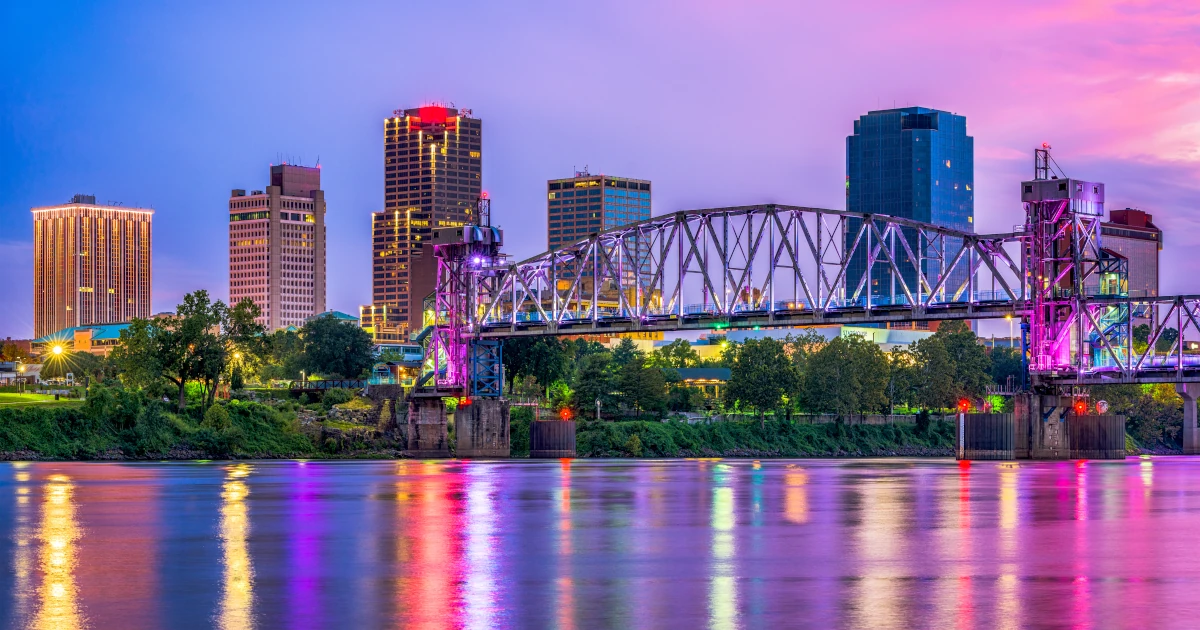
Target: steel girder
x=770, y=264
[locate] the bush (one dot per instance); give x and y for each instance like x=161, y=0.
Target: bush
x=216, y=418
x=633, y=446
x=236, y=381
x=336, y=397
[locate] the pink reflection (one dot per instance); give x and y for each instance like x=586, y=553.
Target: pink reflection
x=304, y=548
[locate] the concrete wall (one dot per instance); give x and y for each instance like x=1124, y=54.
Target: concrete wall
x=481, y=429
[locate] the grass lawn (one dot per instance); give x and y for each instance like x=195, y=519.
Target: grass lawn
x=13, y=400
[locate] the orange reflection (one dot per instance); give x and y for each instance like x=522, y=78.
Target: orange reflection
x=58, y=533
x=722, y=583
x=237, y=592
x=795, y=497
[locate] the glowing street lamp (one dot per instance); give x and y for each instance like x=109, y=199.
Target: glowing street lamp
x=1010, y=330
x=57, y=350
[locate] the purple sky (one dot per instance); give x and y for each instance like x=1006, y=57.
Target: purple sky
x=171, y=105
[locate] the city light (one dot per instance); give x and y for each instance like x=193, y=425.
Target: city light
x=57, y=350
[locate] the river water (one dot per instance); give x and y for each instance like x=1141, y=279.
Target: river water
x=887, y=543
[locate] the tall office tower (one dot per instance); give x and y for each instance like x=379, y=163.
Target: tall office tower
x=916, y=163
x=91, y=264
x=277, y=247
x=432, y=168
x=580, y=205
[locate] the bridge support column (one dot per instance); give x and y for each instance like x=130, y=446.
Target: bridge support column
x=1040, y=427
x=481, y=428
x=427, y=436
x=1191, y=435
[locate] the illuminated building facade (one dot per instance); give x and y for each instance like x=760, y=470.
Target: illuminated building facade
x=432, y=179
x=912, y=162
x=1131, y=237
x=277, y=247
x=91, y=264
x=581, y=205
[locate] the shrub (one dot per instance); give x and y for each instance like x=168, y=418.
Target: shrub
x=216, y=418
x=336, y=397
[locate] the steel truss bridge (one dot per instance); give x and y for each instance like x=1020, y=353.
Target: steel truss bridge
x=782, y=266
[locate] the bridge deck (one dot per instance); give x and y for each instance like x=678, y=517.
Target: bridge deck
x=750, y=319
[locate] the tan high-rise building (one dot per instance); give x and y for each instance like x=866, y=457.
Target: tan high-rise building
x=91, y=264
x=432, y=167
x=277, y=247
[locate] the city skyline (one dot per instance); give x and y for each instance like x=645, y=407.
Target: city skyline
x=1083, y=103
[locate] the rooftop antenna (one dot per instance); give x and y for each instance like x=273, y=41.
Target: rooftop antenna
x=1044, y=166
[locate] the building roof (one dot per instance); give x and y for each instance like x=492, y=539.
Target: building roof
x=704, y=374
x=100, y=332
x=338, y=315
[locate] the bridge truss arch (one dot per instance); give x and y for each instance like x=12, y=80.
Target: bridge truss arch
x=763, y=265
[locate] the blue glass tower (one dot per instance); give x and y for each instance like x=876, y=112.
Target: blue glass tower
x=913, y=162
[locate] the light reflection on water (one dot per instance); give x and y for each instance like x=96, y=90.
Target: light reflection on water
x=237, y=591
x=582, y=544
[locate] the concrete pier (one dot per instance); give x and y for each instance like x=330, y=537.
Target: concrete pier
x=426, y=429
x=1191, y=436
x=481, y=429
x=1046, y=427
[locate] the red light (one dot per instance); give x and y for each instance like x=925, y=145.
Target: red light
x=464, y=402
x=964, y=405
x=565, y=414
x=432, y=114
x=484, y=194
x=1080, y=407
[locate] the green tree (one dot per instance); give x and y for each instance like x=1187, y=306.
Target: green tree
x=1166, y=339
x=847, y=375
x=595, y=380
x=972, y=367
x=677, y=354
x=542, y=358
x=1006, y=362
x=194, y=345
x=760, y=376
x=642, y=387
x=283, y=356
x=12, y=352
x=335, y=348
x=626, y=352
x=936, y=387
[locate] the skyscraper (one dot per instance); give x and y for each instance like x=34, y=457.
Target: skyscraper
x=432, y=179
x=913, y=162
x=277, y=247
x=580, y=205
x=91, y=264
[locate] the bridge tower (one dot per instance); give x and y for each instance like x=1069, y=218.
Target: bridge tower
x=1062, y=222
x=458, y=364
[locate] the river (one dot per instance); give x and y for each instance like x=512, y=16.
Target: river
x=882, y=543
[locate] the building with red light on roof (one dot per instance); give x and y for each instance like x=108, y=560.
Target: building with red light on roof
x=432, y=179
x=1131, y=236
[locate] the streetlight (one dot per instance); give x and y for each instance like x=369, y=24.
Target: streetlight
x=57, y=350
x=1011, y=343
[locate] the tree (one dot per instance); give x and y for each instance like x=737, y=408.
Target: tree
x=626, y=352
x=542, y=358
x=760, y=375
x=194, y=345
x=677, y=354
x=1006, y=363
x=847, y=375
x=595, y=380
x=972, y=367
x=642, y=387
x=282, y=356
x=1166, y=339
x=335, y=348
x=12, y=352
x=935, y=374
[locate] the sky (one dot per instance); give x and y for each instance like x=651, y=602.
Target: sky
x=171, y=105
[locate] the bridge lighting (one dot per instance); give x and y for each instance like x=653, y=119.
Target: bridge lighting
x=1080, y=407
x=465, y=401
x=964, y=405
x=565, y=414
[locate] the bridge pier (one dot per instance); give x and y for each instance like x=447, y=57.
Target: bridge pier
x=481, y=428
x=1045, y=427
x=1191, y=435
x=427, y=436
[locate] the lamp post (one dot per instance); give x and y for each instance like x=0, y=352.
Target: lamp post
x=597, y=409
x=1010, y=330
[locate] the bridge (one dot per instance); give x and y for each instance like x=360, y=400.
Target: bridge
x=775, y=265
